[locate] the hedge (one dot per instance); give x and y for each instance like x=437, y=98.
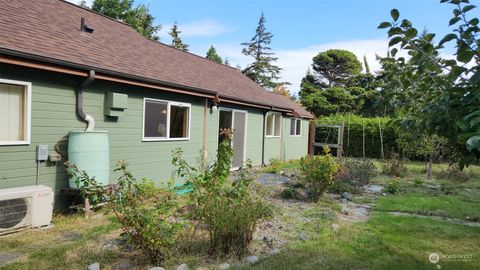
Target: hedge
x=354, y=128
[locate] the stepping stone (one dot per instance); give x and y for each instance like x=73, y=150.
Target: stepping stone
x=271, y=179
x=6, y=257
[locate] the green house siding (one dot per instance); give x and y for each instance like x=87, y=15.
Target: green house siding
x=295, y=146
x=254, y=131
x=53, y=116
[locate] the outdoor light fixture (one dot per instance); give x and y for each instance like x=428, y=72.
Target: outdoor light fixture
x=214, y=103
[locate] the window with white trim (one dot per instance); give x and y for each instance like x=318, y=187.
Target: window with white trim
x=165, y=120
x=273, y=124
x=296, y=127
x=15, y=107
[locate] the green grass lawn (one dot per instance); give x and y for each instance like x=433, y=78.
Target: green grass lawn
x=384, y=242
x=447, y=206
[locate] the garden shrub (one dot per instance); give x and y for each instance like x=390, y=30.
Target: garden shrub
x=228, y=209
x=147, y=213
x=393, y=186
x=355, y=171
x=89, y=187
x=453, y=172
x=275, y=166
x=318, y=173
x=418, y=181
x=394, y=166
x=291, y=193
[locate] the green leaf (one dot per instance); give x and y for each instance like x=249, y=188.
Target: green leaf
x=474, y=21
x=475, y=79
x=473, y=143
x=465, y=56
x=411, y=33
x=395, y=14
x=384, y=25
x=429, y=37
x=468, y=8
x=394, y=51
x=394, y=31
x=447, y=38
x=394, y=41
x=406, y=23
x=454, y=20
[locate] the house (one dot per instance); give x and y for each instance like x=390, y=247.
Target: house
x=63, y=66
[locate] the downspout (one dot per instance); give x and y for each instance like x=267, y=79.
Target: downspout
x=79, y=101
x=263, y=139
x=204, y=140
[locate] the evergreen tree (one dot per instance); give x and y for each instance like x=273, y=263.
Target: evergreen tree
x=335, y=67
x=367, y=66
x=177, y=41
x=139, y=18
x=263, y=70
x=213, y=55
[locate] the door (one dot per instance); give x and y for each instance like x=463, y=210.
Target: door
x=237, y=121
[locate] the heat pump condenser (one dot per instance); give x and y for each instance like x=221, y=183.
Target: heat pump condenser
x=21, y=207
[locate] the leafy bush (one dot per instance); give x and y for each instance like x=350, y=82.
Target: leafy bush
x=393, y=185
x=317, y=173
x=275, y=166
x=145, y=212
x=357, y=172
x=453, y=172
x=394, y=166
x=290, y=193
x=228, y=209
x=418, y=181
x=89, y=188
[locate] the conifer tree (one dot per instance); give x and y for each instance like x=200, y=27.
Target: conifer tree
x=262, y=70
x=177, y=41
x=139, y=18
x=213, y=55
x=367, y=66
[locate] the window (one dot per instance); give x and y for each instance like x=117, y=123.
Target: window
x=295, y=127
x=273, y=124
x=165, y=120
x=15, y=106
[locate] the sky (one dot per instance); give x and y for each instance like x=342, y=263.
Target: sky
x=301, y=28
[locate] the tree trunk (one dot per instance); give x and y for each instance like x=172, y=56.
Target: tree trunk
x=429, y=168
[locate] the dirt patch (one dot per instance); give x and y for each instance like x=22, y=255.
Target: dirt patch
x=6, y=258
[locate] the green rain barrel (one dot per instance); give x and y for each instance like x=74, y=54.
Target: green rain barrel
x=90, y=152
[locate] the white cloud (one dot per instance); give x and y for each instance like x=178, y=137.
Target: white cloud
x=202, y=28
x=295, y=62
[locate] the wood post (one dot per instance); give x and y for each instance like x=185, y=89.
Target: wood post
x=311, y=138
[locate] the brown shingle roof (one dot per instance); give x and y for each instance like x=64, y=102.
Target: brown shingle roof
x=51, y=29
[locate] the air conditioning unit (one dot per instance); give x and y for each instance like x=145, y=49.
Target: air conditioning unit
x=22, y=207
